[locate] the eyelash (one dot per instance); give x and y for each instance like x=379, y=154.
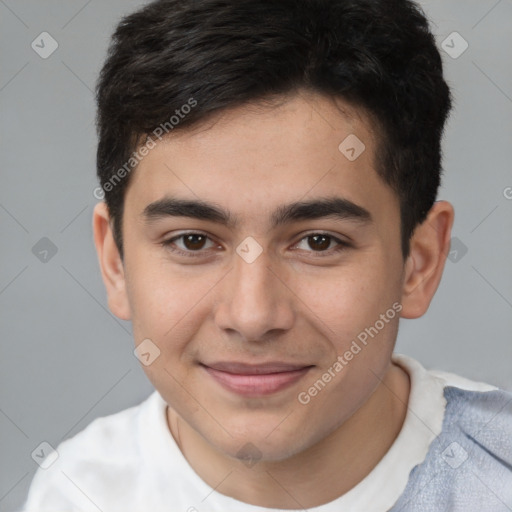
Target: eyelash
x=194, y=254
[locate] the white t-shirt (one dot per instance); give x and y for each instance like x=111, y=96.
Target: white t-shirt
x=129, y=461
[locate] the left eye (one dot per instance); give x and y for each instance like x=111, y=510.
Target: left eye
x=321, y=242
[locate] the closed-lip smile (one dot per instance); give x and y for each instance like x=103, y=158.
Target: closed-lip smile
x=255, y=379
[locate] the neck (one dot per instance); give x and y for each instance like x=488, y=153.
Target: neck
x=318, y=475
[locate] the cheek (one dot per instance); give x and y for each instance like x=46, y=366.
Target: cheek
x=340, y=387
x=154, y=296
x=167, y=303
x=359, y=316
x=348, y=298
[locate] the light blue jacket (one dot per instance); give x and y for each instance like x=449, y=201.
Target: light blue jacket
x=468, y=467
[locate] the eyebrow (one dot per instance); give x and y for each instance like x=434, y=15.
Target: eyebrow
x=333, y=207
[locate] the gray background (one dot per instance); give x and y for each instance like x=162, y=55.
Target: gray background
x=66, y=360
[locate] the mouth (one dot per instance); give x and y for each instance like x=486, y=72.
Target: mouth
x=256, y=380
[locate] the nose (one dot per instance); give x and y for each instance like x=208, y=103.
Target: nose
x=255, y=301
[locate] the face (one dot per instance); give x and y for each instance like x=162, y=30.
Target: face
x=253, y=296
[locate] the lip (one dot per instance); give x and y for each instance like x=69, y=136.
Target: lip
x=256, y=380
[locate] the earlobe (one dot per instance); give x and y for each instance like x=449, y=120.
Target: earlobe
x=430, y=245
x=111, y=265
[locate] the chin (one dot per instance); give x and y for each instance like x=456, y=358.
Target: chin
x=257, y=445
x=259, y=450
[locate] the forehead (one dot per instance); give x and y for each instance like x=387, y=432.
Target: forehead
x=253, y=159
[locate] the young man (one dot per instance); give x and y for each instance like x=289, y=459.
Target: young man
x=270, y=171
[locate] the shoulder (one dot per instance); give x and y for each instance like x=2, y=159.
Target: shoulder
x=482, y=421
x=468, y=466
x=481, y=414
x=105, y=455
x=478, y=419
x=104, y=439
x=473, y=454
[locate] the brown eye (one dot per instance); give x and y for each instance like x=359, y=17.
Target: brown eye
x=194, y=242
x=319, y=242
x=189, y=244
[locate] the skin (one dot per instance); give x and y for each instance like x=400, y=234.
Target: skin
x=297, y=302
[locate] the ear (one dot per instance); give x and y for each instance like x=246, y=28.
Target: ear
x=111, y=265
x=430, y=245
